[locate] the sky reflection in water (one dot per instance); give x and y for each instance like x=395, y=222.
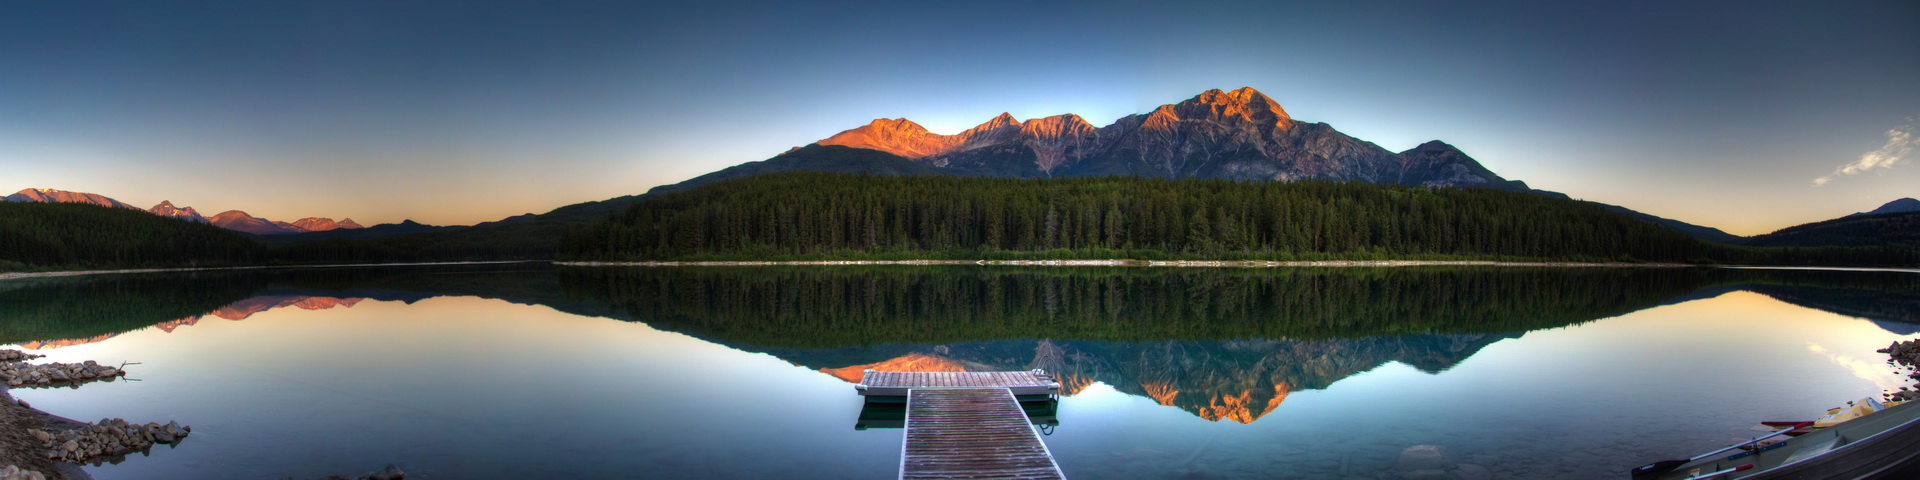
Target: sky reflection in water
x=468, y=387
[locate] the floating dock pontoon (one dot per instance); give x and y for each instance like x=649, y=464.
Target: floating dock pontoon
x=968, y=424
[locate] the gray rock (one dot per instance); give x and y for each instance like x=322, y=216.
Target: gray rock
x=1425, y=457
x=390, y=473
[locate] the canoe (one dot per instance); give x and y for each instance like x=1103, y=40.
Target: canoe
x=1881, y=445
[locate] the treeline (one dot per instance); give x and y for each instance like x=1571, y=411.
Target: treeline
x=810, y=216
x=807, y=213
x=492, y=242
x=1899, y=228
x=87, y=306
x=813, y=307
x=531, y=238
x=36, y=236
x=73, y=236
x=795, y=307
x=77, y=307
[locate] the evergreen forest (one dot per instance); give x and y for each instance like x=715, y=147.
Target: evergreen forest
x=808, y=215
x=39, y=236
x=797, y=216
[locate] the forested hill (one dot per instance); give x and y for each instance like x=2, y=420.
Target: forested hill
x=819, y=215
x=1895, y=228
x=76, y=236
x=812, y=215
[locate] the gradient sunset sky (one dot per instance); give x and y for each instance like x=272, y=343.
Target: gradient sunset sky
x=1744, y=116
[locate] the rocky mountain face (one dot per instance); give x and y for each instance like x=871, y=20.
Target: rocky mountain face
x=1238, y=381
x=897, y=136
x=62, y=343
x=236, y=311
x=912, y=362
x=243, y=309
x=318, y=224
x=166, y=209
x=242, y=222
x=1242, y=134
x=1244, y=380
x=232, y=219
x=48, y=195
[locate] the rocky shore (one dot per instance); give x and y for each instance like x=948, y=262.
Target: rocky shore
x=1904, y=355
x=39, y=445
x=36, y=445
x=107, y=441
x=22, y=374
x=22, y=455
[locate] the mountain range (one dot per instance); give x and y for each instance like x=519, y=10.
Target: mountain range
x=1240, y=134
x=48, y=195
x=242, y=222
x=1236, y=380
x=235, y=311
x=232, y=219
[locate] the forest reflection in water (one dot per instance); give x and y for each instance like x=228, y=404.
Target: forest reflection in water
x=1222, y=344
x=1171, y=372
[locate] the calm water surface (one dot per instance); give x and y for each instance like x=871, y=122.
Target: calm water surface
x=526, y=371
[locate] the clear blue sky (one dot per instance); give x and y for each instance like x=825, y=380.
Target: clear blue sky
x=1717, y=113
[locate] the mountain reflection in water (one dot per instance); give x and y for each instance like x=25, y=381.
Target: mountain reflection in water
x=235, y=311
x=1236, y=380
x=1221, y=344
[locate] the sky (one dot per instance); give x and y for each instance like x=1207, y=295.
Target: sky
x=1748, y=116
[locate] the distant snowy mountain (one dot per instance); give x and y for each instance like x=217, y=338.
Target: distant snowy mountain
x=48, y=195
x=232, y=219
x=166, y=209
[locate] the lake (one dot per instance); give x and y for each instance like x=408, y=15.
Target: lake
x=535, y=371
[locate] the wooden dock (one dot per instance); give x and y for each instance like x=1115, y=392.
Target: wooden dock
x=897, y=384
x=968, y=424
x=972, y=433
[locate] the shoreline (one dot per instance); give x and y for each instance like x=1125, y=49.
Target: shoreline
x=4, y=276
x=75, y=273
x=1134, y=263
x=17, y=415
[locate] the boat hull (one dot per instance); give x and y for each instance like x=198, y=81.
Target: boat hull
x=1883, y=445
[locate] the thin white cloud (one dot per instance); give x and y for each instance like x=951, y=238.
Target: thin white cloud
x=1877, y=373
x=1900, y=142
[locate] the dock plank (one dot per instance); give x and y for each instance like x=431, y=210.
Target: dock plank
x=971, y=433
x=896, y=384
